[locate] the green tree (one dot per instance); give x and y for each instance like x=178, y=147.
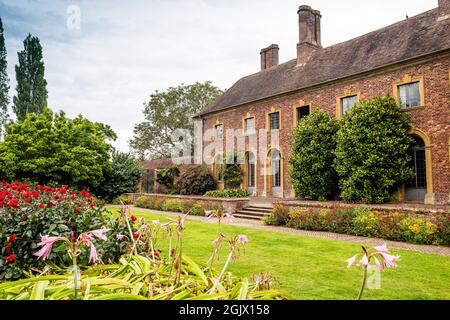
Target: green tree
x=232, y=171
x=31, y=85
x=166, y=112
x=372, y=151
x=4, y=81
x=313, y=147
x=49, y=147
x=122, y=178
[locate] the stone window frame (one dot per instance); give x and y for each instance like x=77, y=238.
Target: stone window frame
x=244, y=125
x=294, y=111
x=268, y=113
x=407, y=79
x=347, y=94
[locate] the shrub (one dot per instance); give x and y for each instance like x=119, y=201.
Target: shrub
x=228, y=193
x=442, y=223
x=196, y=181
x=232, y=172
x=172, y=205
x=372, y=151
x=27, y=212
x=148, y=202
x=122, y=178
x=279, y=216
x=313, y=144
x=365, y=222
x=305, y=218
x=166, y=177
x=338, y=220
x=122, y=199
x=197, y=210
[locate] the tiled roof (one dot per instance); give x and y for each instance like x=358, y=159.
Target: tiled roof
x=408, y=39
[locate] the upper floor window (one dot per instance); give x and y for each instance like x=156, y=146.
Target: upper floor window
x=274, y=121
x=409, y=95
x=302, y=112
x=347, y=103
x=218, y=132
x=250, y=126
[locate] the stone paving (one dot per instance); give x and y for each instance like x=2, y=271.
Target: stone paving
x=439, y=250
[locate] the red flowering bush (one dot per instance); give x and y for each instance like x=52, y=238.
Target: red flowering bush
x=29, y=211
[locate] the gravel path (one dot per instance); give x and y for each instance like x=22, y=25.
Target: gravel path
x=439, y=250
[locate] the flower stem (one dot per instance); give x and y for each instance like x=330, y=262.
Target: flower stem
x=363, y=285
x=216, y=282
x=75, y=276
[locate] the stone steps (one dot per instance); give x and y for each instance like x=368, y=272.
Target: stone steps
x=254, y=212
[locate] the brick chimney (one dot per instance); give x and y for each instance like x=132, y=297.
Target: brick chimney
x=444, y=9
x=309, y=32
x=270, y=57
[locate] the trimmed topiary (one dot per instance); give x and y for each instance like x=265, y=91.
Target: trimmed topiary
x=313, y=145
x=372, y=151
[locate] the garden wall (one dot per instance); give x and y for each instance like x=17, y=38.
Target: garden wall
x=229, y=204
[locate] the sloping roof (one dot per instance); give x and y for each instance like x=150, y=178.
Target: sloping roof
x=411, y=38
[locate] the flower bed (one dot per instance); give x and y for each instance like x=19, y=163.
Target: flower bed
x=228, y=193
x=28, y=211
x=426, y=228
x=177, y=203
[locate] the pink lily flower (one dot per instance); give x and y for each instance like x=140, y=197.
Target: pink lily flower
x=100, y=234
x=85, y=238
x=242, y=239
x=364, y=261
x=382, y=248
x=351, y=261
x=388, y=260
x=47, y=245
x=93, y=254
x=120, y=237
x=378, y=264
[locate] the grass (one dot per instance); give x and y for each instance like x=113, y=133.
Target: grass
x=311, y=268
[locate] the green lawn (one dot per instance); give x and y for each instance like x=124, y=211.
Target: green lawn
x=310, y=268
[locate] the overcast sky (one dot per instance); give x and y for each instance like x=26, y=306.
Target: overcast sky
x=125, y=50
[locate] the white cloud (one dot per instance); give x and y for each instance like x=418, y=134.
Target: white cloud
x=126, y=50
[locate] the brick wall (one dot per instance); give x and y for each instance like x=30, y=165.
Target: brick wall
x=433, y=119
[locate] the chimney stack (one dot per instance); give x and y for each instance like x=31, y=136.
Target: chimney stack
x=269, y=57
x=309, y=33
x=444, y=9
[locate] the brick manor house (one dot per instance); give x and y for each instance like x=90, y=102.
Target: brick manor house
x=409, y=60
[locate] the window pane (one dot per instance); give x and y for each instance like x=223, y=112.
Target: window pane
x=274, y=121
x=409, y=95
x=347, y=103
x=250, y=126
x=302, y=112
x=219, y=132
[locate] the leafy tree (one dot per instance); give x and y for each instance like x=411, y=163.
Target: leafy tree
x=313, y=146
x=372, y=151
x=31, y=85
x=196, y=181
x=4, y=81
x=122, y=178
x=166, y=112
x=49, y=147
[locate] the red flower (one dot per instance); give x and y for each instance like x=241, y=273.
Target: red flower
x=51, y=204
x=11, y=258
x=136, y=235
x=12, y=238
x=93, y=204
x=1, y=204
x=133, y=218
x=77, y=210
x=7, y=250
x=41, y=205
x=2, y=197
x=13, y=203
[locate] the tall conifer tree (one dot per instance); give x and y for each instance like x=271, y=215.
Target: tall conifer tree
x=4, y=81
x=31, y=85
